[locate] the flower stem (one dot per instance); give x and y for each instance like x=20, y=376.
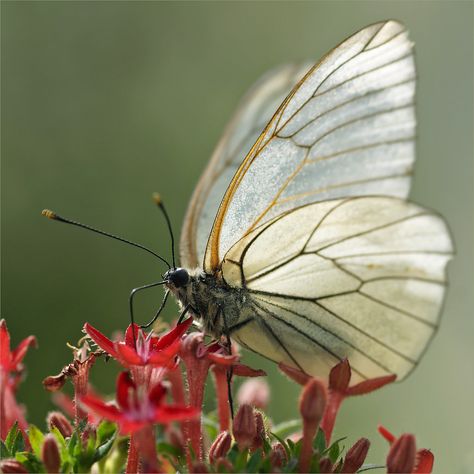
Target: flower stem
x=220, y=379
x=335, y=398
x=132, y=460
x=145, y=439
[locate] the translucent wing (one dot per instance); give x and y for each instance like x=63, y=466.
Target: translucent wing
x=254, y=112
x=346, y=129
x=360, y=277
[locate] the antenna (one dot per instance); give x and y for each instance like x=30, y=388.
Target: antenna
x=52, y=215
x=159, y=203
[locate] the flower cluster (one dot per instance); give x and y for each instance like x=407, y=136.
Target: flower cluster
x=155, y=422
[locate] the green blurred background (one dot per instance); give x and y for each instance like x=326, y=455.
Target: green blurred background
x=106, y=102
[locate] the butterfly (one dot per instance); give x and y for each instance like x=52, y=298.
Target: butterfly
x=298, y=242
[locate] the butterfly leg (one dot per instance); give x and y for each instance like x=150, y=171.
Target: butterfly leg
x=160, y=309
x=183, y=313
x=130, y=302
x=230, y=372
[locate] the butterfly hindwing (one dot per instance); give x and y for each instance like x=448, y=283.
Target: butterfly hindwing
x=359, y=277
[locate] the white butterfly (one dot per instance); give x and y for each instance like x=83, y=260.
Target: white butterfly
x=304, y=249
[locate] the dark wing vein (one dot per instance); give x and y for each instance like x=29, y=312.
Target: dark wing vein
x=299, y=331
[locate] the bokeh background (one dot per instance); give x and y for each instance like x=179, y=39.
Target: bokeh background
x=105, y=102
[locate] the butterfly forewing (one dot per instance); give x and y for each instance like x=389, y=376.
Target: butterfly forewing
x=346, y=129
x=361, y=277
x=254, y=112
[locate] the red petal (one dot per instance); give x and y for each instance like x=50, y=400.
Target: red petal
x=166, y=414
x=5, y=354
x=109, y=412
x=166, y=356
x=340, y=376
x=131, y=426
x=125, y=389
x=129, y=335
x=102, y=341
x=246, y=371
x=424, y=462
x=386, y=434
x=157, y=393
x=128, y=356
x=370, y=385
x=19, y=353
x=222, y=359
x=294, y=374
x=168, y=338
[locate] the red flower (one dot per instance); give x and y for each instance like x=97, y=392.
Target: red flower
x=338, y=389
x=11, y=369
x=146, y=350
x=136, y=408
x=198, y=358
x=403, y=456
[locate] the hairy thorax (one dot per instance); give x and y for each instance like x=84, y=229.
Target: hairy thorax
x=215, y=304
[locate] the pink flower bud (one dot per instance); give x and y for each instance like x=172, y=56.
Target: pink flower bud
x=175, y=437
x=402, y=454
x=58, y=420
x=11, y=465
x=224, y=465
x=260, y=433
x=340, y=376
x=355, y=457
x=312, y=405
x=254, y=392
x=198, y=467
x=313, y=402
x=278, y=456
x=220, y=447
x=245, y=428
x=424, y=462
x=50, y=454
x=325, y=465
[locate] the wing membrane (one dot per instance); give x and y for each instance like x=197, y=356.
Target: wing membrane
x=359, y=277
x=254, y=112
x=346, y=129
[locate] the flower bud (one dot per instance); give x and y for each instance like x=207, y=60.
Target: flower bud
x=401, y=457
x=278, y=456
x=254, y=392
x=175, y=438
x=356, y=455
x=340, y=376
x=198, y=467
x=424, y=462
x=325, y=465
x=224, y=465
x=313, y=402
x=245, y=428
x=58, y=420
x=260, y=432
x=220, y=447
x=11, y=465
x=50, y=454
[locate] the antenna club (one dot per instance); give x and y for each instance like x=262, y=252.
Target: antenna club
x=49, y=214
x=157, y=199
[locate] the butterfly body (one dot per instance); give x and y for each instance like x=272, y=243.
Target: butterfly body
x=219, y=307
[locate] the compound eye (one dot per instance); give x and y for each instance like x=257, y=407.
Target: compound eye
x=179, y=277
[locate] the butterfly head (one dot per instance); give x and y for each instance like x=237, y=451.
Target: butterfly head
x=177, y=277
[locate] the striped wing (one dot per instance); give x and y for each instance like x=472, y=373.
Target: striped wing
x=253, y=113
x=361, y=277
x=346, y=129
